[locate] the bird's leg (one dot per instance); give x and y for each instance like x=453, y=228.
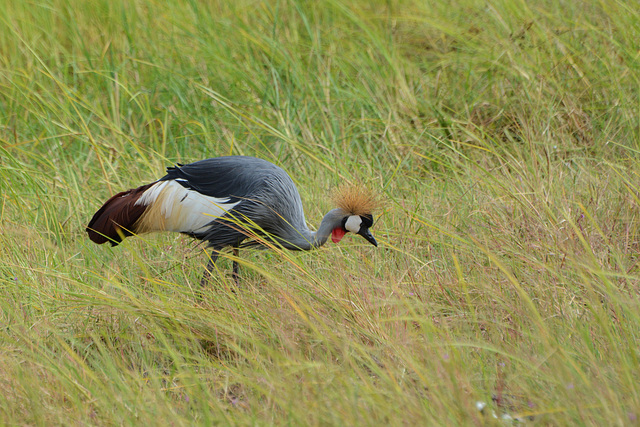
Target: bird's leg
x=208, y=271
x=236, y=267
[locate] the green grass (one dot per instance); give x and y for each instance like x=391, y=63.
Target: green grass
x=504, y=137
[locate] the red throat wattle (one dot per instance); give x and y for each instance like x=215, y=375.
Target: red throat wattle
x=337, y=234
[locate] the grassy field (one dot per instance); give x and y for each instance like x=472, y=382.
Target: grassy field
x=503, y=136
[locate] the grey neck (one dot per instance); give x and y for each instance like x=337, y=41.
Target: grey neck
x=308, y=240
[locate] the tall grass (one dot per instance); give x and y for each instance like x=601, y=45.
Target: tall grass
x=503, y=135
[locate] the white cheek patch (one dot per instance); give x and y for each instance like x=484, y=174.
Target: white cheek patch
x=353, y=223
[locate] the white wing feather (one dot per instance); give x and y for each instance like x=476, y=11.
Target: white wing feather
x=181, y=209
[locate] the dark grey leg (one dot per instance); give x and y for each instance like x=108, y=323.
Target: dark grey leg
x=208, y=271
x=236, y=268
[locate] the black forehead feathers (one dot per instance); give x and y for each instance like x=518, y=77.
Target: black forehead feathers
x=367, y=220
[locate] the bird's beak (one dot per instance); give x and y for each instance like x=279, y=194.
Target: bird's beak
x=364, y=232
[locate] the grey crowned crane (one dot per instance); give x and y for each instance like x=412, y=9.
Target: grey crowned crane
x=226, y=200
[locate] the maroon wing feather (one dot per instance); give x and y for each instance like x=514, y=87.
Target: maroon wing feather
x=118, y=213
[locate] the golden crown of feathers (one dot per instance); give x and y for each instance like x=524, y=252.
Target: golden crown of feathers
x=356, y=199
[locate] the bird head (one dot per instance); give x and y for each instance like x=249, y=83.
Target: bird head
x=358, y=224
x=357, y=204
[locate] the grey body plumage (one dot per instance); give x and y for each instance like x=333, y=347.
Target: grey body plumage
x=223, y=201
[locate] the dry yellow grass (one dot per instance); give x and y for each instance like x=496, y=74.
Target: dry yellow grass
x=504, y=137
